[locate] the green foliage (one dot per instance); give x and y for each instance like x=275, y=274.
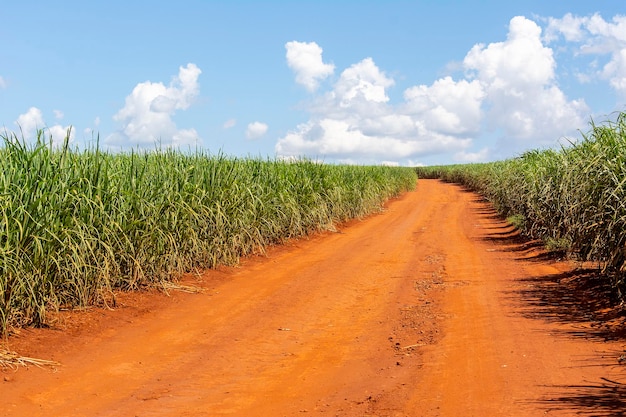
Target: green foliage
x=75, y=224
x=517, y=220
x=574, y=199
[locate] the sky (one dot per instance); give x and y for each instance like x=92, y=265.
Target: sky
x=406, y=83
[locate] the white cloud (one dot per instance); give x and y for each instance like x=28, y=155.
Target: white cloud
x=447, y=106
x=146, y=117
x=596, y=37
x=570, y=26
x=230, y=123
x=305, y=60
x=341, y=139
x=362, y=82
x=518, y=77
x=31, y=122
x=59, y=133
x=355, y=123
x=58, y=114
x=615, y=71
x=515, y=64
x=256, y=130
x=472, y=157
x=616, y=30
x=390, y=163
x=3, y=83
x=509, y=88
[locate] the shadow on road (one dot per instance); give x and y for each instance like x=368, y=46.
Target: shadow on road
x=605, y=399
x=583, y=301
x=581, y=297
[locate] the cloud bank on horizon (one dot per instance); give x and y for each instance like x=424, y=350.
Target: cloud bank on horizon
x=506, y=98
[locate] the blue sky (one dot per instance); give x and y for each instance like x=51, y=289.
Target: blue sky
x=367, y=82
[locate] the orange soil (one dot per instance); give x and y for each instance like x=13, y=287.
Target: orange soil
x=433, y=308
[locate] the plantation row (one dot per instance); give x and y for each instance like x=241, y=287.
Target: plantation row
x=77, y=224
x=574, y=199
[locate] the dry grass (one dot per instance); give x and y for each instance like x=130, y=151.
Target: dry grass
x=12, y=360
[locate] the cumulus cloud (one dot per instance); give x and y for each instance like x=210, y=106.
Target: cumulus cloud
x=362, y=82
x=305, y=60
x=146, y=118
x=355, y=123
x=58, y=134
x=464, y=157
x=518, y=77
x=595, y=37
x=509, y=90
x=516, y=63
x=447, y=106
x=58, y=114
x=230, y=123
x=32, y=121
x=569, y=26
x=256, y=130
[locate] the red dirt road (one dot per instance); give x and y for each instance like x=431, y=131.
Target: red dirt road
x=432, y=308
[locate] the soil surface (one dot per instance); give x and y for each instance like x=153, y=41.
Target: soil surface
x=435, y=307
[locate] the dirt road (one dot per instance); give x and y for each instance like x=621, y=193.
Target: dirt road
x=432, y=308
